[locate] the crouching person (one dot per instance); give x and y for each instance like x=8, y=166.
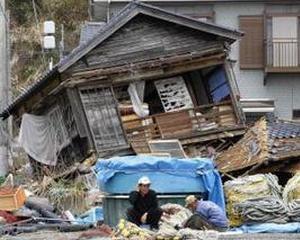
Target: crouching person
x=206, y=215
x=144, y=203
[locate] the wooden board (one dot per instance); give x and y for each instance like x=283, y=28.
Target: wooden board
x=175, y=123
x=145, y=38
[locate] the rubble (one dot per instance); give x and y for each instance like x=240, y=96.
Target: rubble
x=271, y=145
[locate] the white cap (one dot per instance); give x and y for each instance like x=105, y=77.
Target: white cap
x=144, y=180
x=189, y=200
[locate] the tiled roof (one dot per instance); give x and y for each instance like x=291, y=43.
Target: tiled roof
x=269, y=140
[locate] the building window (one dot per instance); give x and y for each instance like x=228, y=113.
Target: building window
x=282, y=42
x=296, y=114
x=270, y=42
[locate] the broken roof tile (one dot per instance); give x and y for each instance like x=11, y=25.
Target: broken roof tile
x=278, y=141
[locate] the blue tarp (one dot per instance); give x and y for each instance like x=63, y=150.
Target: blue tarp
x=165, y=174
x=270, y=228
x=218, y=85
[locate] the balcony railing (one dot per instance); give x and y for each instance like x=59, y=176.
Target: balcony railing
x=282, y=55
x=180, y=124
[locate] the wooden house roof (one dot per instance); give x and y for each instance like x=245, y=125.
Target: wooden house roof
x=127, y=14
x=269, y=142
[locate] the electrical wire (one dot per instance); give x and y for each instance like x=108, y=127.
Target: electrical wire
x=37, y=25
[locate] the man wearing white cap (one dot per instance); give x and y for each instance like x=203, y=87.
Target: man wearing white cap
x=207, y=215
x=144, y=203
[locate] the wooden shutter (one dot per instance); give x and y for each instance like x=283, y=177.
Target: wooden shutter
x=252, y=44
x=102, y=114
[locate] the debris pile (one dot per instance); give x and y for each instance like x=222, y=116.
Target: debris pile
x=128, y=230
x=55, y=203
x=174, y=218
x=271, y=145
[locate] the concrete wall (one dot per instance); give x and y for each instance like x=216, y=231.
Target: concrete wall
x=283, y=88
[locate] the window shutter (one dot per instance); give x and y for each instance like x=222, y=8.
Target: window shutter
x=252, y=44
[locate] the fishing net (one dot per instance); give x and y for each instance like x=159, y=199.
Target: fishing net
x=291, y=191
x=176, y=216
x=250, y=187
x=291, y=196
x=263, y=210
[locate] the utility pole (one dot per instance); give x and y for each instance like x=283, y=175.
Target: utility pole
x=4, y=88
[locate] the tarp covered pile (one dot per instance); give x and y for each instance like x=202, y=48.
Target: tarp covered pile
x=119, y=175
x=240, y=190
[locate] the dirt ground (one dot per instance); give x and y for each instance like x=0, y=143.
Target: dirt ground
x=44, y=235
x=76, y=236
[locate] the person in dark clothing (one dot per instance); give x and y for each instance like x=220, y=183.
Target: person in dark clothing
x=144, y=203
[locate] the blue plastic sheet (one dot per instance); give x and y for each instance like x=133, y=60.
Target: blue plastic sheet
x=270, y=228
x=168, y=173
x=94, y=215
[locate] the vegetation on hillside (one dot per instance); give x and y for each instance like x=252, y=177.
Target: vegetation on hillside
x=27, y=60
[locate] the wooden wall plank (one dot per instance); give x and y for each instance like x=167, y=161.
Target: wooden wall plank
x=146, y=38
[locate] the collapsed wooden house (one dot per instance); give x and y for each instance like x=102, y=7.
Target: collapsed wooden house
x=271, y=145
x=147, y=74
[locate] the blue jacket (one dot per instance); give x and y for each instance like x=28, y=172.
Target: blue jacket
x=212, y=213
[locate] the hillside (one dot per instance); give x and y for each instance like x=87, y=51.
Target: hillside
x=27, y=58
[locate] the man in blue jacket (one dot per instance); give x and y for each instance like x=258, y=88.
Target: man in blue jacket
x=207, y=215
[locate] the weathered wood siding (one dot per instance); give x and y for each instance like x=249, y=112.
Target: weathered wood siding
x=102, y=114
x=145, y=38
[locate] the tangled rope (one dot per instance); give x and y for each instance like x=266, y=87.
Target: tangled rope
x=263, y=210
